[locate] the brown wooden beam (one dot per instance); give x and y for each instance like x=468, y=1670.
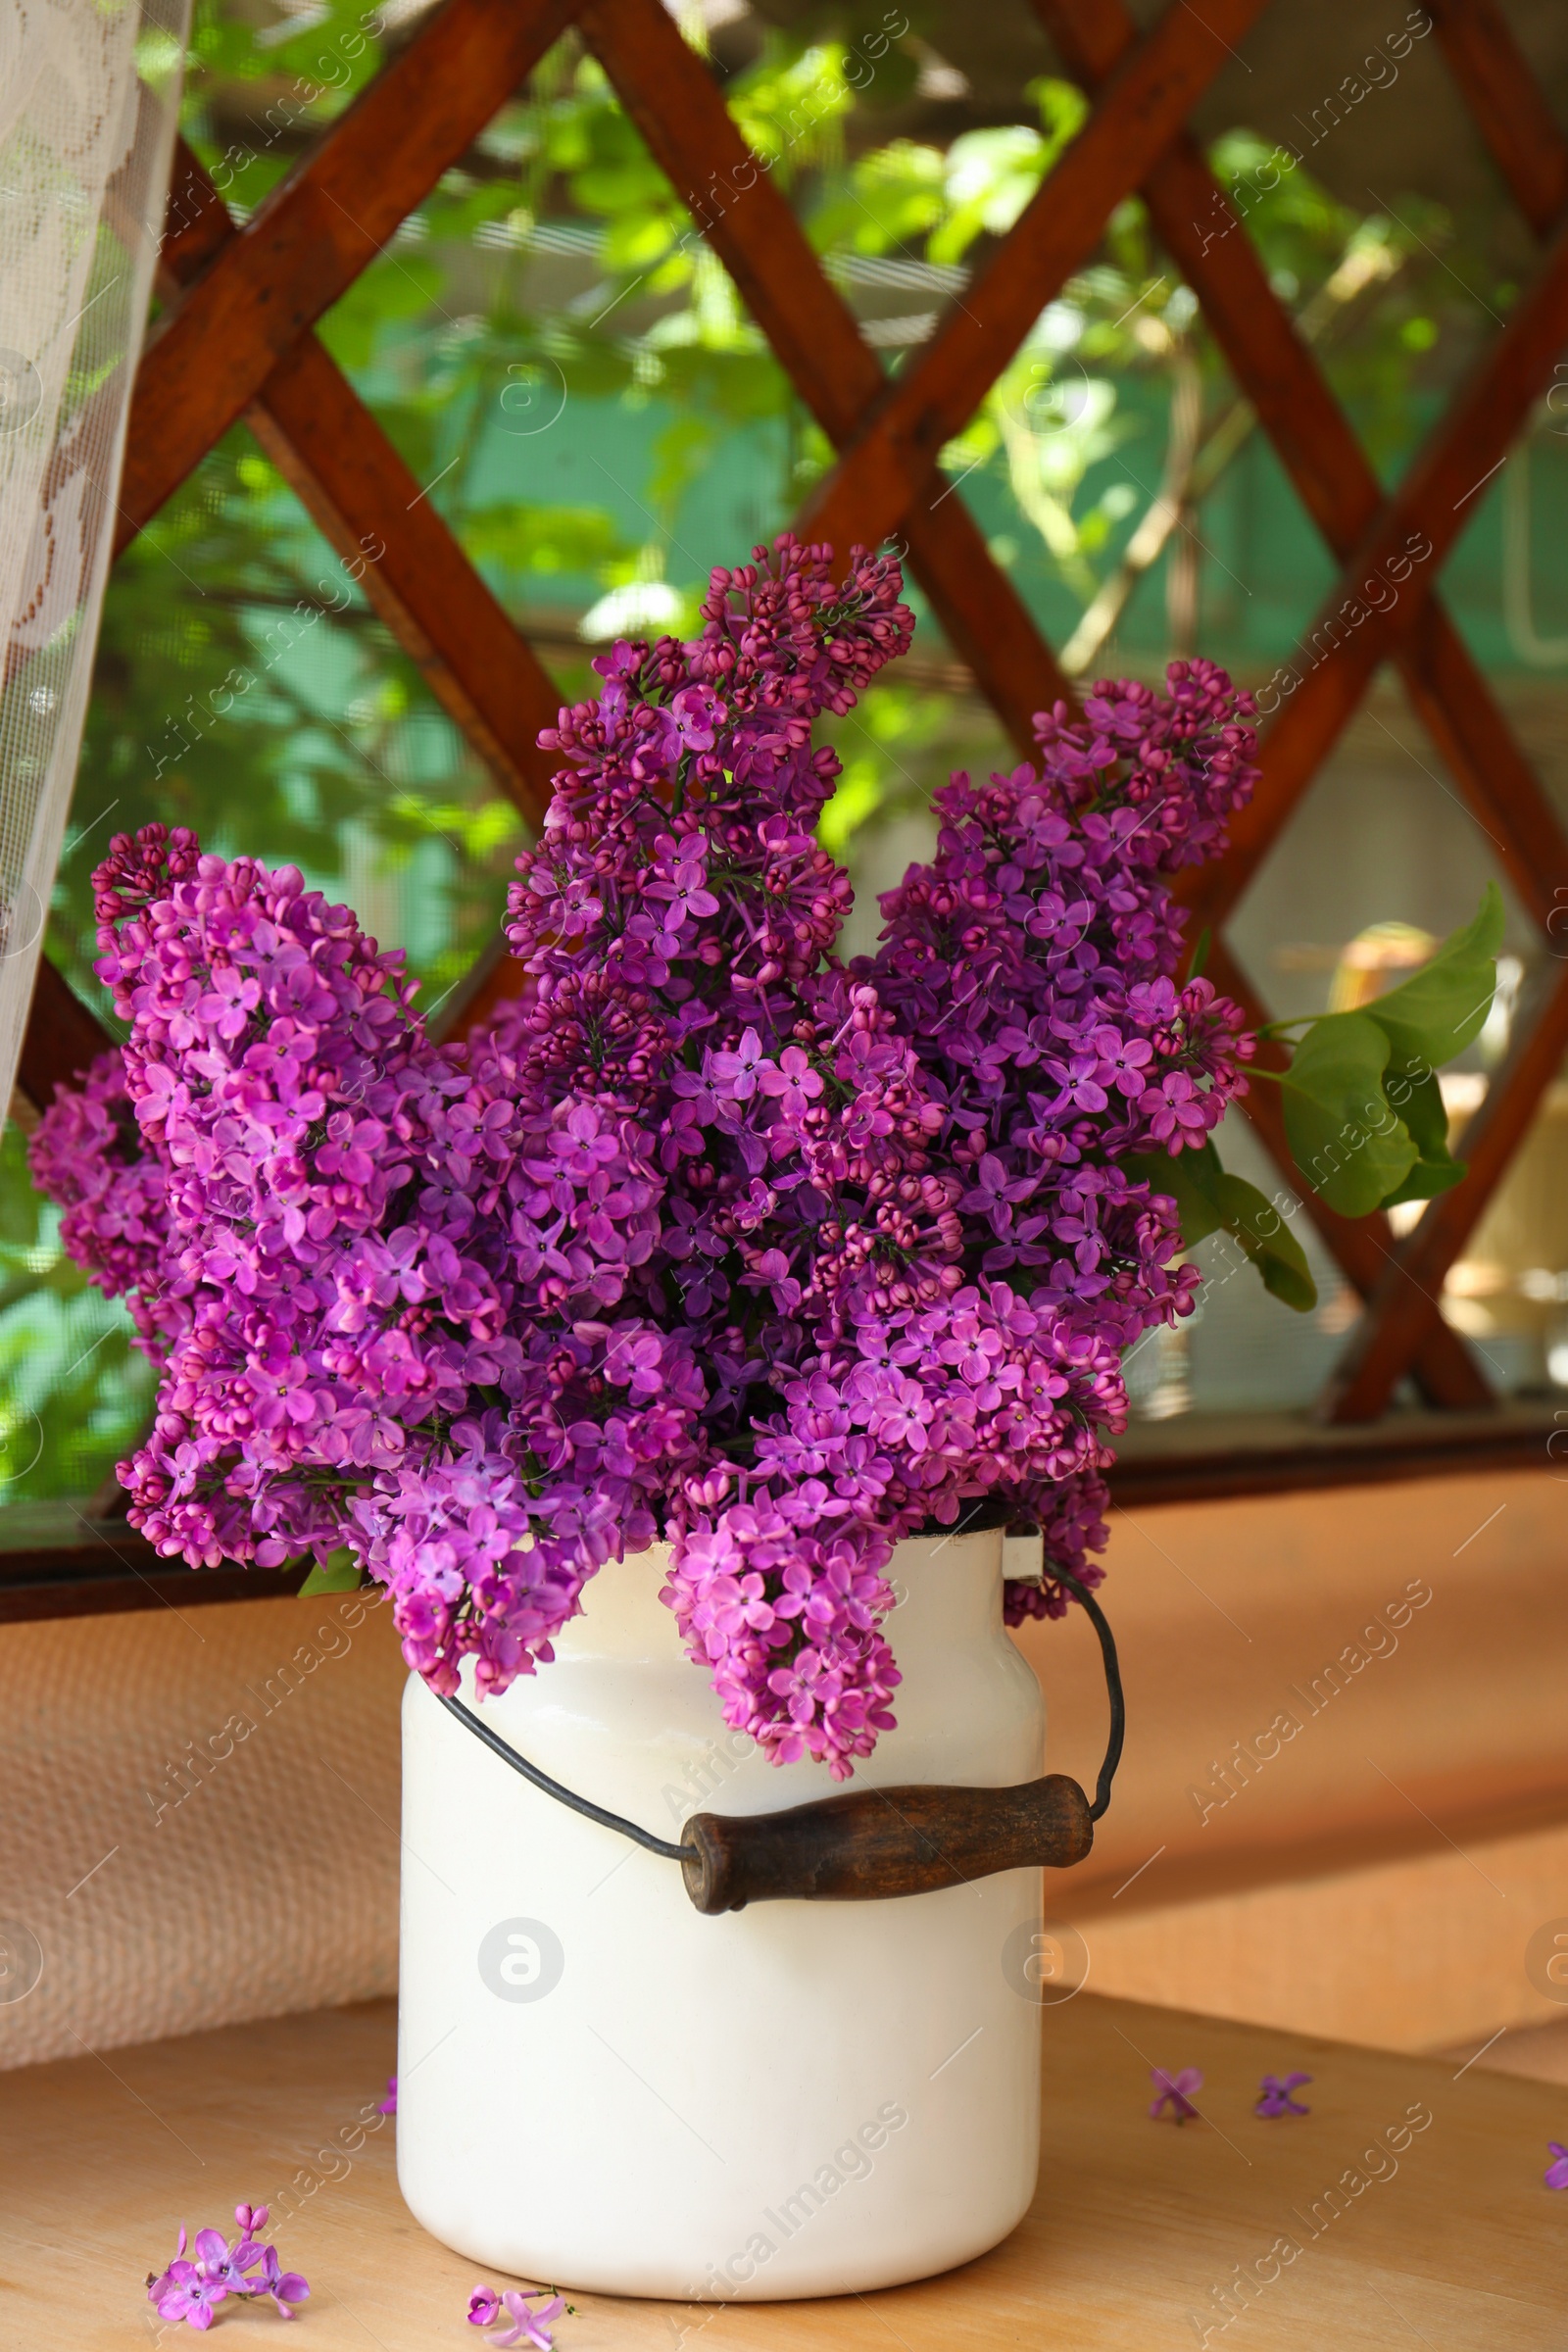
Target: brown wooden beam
x=103, y=1572
x=1508, y=107
x=883, y=473
x=102, y=1568
x=1326, y=464
x=985, y=620
x=60, y=1038
x=1207, y=1455
x=331, y=452
x=304, y=246
x=1436, y=498
x=346, y=473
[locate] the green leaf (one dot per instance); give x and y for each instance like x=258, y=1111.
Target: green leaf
x=1363, y=1108
x=1254, y=1221
x=339, y=1573
x=1440, y=1010
x=1209, y=1200
x=1426, y=1179
x=1350, y=1143
x=1419, y=1102
x=1188, y=1179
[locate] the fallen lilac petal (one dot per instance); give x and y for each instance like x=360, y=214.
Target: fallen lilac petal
x=284, y=2287
x=1174, y=2090
x=1276, y=2100
x=523, y=2324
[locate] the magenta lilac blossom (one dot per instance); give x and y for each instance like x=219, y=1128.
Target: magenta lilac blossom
x=1175, y=2091
x=510, y=2316
x=282, y=2288
x=708, y=1236
x=1555, y=2174
x=1276, y=2096
x=88, y=1155
x=193, y=2289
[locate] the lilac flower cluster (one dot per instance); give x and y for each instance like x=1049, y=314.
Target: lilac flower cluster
x=191, y=2290
x=1034, y=963
x=708, y=1235
x=87, y=1154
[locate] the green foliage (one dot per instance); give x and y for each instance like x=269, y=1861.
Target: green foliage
x=1209, y=1200
x=73, y=1391
x=1362, y=1102
x=520, y=538
x=899, y=744
x=894, y=195
x=1443, y=1007
x=1363, y=1109
x=244, y=687
x=1347, y=1140
x=337, y=1573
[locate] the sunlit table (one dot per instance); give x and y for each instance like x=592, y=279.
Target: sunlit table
x=1142, y=2236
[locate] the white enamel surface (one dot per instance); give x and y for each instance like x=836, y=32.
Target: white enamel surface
x=662, y=2104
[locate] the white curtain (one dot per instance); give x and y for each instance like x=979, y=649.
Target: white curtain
x=89, y=94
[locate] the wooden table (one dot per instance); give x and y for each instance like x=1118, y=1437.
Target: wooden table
x=1450, y=2240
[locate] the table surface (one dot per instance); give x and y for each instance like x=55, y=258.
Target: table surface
x=1452, y=2241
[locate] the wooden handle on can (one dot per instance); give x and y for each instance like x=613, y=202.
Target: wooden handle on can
x=884, y=1842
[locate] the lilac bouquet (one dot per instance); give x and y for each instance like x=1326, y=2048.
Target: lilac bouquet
x=710, y=1236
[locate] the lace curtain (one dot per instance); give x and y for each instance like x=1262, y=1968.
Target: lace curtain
x=89, y=93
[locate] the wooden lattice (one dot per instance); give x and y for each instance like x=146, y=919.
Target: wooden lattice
x=237, y=340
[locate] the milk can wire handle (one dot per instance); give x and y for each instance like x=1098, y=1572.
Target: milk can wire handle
x=1113, y=1691
x=565, y=1796
x=688, y=1853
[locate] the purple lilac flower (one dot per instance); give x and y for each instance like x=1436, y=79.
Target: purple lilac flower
x=512, y=2315
x=1276, y=2096
x=707, y=1235
x=227, y=2264
x=282, y=2288
x=186, y=2293
x=1555, y=2174
x=389, y=2105
x=192, y=2290
x=1175, y=2091
x=87, y=1154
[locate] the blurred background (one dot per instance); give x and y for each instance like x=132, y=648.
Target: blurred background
x=597, y=419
